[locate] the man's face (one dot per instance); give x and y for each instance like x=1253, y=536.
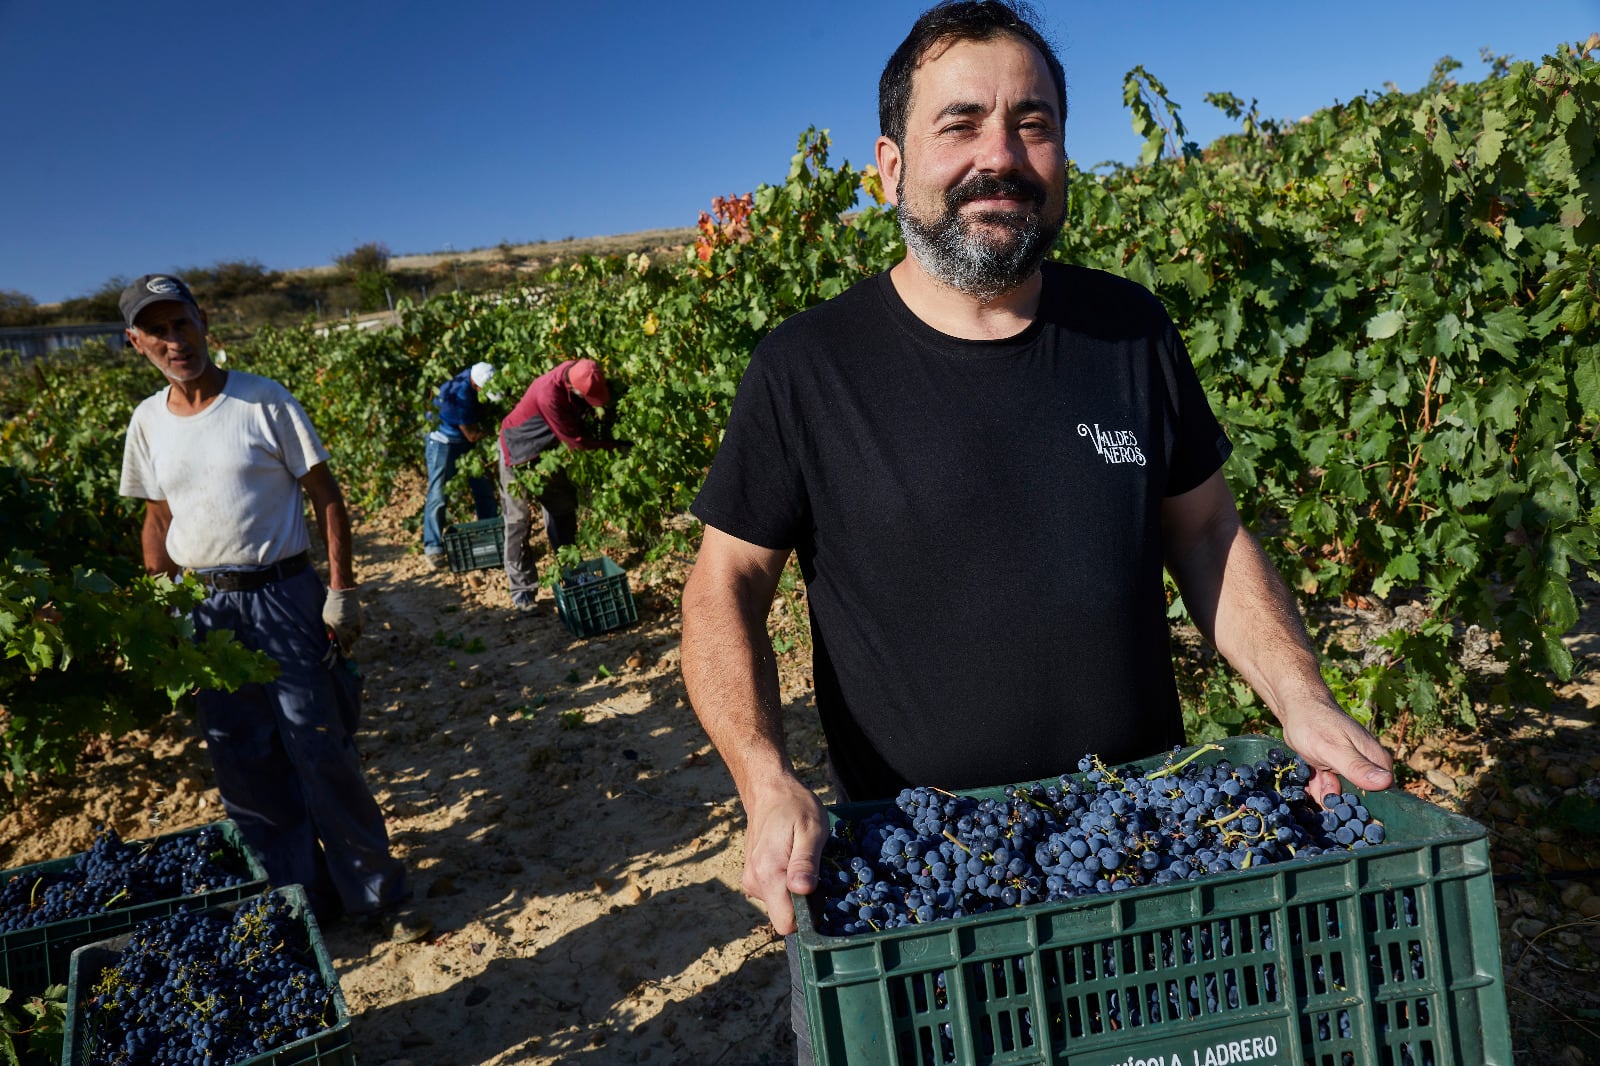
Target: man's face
x=981, y=180
x=172, y=335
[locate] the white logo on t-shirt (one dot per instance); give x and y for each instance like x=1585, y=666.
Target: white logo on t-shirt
x=1114, y=445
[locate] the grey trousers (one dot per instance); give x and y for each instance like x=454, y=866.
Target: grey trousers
x=558, y=502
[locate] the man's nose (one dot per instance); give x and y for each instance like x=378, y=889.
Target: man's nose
x=1000, y=150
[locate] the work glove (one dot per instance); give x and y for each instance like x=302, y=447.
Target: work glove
x=342, y=614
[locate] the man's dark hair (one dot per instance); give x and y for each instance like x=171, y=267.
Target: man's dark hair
x=945, y=24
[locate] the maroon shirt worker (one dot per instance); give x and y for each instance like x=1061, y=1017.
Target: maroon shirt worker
x=556, y=409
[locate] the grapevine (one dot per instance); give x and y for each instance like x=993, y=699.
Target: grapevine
x=33, y=1024
x=88, y=643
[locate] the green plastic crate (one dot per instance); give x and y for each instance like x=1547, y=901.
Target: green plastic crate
x=593, y=597
x=35, y=958
x=331, y=1047
x=477, y=545
x=1384, y=956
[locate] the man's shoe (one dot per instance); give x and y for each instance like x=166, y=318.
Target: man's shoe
x=401, y=923
x=407, y=925
x=438, y=560
x=522, y=601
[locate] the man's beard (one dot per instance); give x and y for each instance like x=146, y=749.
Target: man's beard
x=980, y=265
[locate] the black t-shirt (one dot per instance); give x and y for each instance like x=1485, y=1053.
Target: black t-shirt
x=978, y=524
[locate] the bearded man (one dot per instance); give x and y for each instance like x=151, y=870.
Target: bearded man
x=984, y=462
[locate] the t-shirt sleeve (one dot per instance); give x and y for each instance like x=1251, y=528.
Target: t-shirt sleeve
x=457, y=403
x=302, y=448
x=138, y=469
x=1200, y=446
x=756, y=490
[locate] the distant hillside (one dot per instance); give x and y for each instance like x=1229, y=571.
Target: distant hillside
x=242, y=296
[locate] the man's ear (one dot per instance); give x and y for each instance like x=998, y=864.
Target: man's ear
x=889, y=162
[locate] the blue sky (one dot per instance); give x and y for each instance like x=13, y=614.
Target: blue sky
x=154, y=137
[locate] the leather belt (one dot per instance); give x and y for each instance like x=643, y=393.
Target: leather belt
x=250, y=580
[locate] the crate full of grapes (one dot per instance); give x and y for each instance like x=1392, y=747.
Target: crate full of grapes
x=49, y=908
x=593, y=598
x=248, y=983
x=1172, y=912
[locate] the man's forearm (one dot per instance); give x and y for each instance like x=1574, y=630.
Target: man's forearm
x=336, y=530
x=1240, y=604
x=153, y=542
x=327, y=506
x=732, y=679
x=1237, y=599
x=1258, y=628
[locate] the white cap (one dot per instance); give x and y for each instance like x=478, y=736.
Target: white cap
x=481, y=373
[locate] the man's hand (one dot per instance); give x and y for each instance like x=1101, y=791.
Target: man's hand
x=783, y=850
x=1335, y=745
x=342, y=614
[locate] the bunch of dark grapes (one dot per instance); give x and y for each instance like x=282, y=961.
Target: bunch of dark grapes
x=197, y=987
x=113, y=873
x=938, y=855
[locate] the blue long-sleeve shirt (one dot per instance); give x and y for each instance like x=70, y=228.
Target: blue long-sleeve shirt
x=455, y=406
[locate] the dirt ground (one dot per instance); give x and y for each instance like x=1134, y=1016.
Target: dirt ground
x=577, y=842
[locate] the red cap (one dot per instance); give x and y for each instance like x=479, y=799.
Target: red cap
x=584, y=376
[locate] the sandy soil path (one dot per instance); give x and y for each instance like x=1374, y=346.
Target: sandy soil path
x=576, y=841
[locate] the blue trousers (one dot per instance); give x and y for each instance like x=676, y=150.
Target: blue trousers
x=285, y=761
x=442, y=458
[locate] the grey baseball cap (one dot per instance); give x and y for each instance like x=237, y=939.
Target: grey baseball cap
x=153, y=288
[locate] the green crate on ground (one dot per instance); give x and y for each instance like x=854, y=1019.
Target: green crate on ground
x=1384, y=956
x=34, y=958
x=330, y=1047
x=477, y=545
x=593, y=597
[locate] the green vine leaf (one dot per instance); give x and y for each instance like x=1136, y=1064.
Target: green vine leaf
x=1383, y=326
